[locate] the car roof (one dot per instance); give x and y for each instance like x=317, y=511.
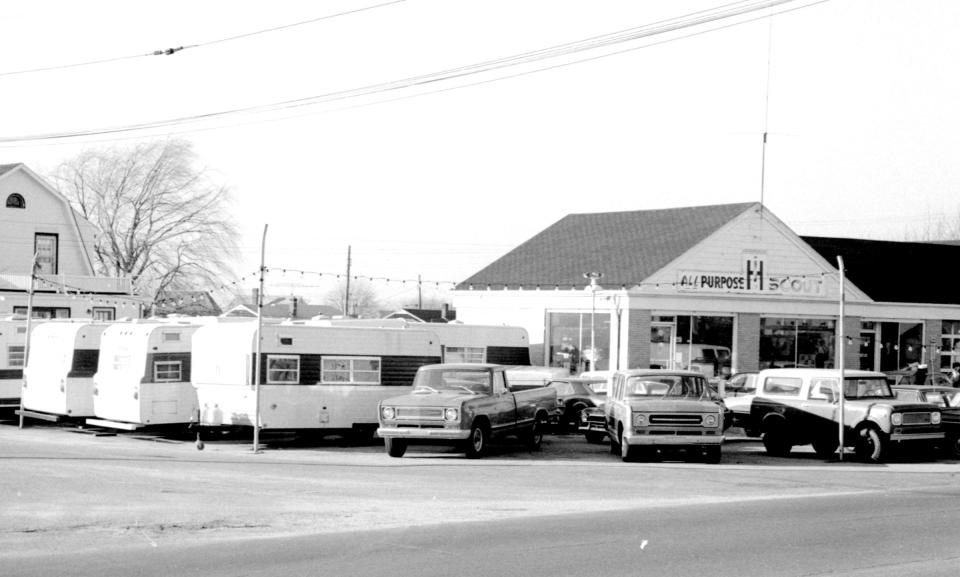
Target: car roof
x=937, y=388
x=821, y=372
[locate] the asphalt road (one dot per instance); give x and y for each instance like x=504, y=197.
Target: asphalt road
x=77, y=504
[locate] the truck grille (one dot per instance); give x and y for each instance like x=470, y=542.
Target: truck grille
x=420, y=413
x=676, y=420
x=916, y=418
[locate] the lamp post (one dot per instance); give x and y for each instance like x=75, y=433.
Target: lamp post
x=593, y=277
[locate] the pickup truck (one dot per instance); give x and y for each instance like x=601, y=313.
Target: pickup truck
x=466, y=405
x=652, y=409
x=793, y=407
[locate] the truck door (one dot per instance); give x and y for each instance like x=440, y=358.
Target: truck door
x=504, y=414
x=820, y=408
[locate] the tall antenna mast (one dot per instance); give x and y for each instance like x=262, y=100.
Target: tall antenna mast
x=766, y=116
x=346, y=297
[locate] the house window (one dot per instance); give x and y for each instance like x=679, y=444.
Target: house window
x=44, y=312
x=15, y=356
x=166, y=371
x=352, y=370
x=46, y=246
x=283, y=369
x=16, y=201
x=464, y=355
x=104, y=313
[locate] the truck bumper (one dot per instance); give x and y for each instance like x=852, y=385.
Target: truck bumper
x=418, y=433
x=635, y=440
x=898, y=437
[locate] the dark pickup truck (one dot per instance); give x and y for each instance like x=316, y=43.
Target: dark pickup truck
x=465, y=405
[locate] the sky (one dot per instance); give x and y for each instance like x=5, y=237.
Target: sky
x=310, y=116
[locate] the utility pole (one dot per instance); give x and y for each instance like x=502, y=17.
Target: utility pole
x=26, y=342
x=259, y=347
x=346, y=297
x=419, y=293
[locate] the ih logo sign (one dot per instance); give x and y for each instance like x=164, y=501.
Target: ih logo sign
x=753, y=278
x=753, y=267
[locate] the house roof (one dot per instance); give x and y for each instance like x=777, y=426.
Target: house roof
x=4, y=168
x=892, y=271
x=188, y=303
x=626, y=247
x=282, y=308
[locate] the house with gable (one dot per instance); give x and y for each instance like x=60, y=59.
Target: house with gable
x=38, y=223
x=719, y=288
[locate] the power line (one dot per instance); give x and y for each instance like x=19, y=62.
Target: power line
x=661, y=27
x=171, y=51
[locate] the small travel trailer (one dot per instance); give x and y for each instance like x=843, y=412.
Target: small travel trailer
x=312, y=376
x=143, y=376
x=13, y=334
x=58, y=378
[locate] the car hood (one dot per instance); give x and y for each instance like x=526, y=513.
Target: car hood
x=674, y=405
x=893, y=404
x=430, y=399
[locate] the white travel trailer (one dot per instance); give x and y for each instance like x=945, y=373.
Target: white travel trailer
x=312, y=376
x=58, y=378
x=143, y=377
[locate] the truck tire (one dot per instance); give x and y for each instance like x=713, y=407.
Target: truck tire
x=825, y=448
x=952, y=445
x=573, y=415
x=534, y=437
x=869, y=446
x=476, y=444
x=775, y=441
x=395, y=447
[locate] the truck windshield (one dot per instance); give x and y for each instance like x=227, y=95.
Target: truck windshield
x=866, y=388
x=665, y=386
x=463, y=380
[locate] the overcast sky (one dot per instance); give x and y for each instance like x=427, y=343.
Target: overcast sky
x=438, y=179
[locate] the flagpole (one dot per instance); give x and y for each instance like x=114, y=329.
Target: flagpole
x=259, y=348
x=840, y=355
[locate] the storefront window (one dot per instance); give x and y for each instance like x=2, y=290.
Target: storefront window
x=950, y=344
x=786, y=342
x=900, y=345
x=569, y=336
x=698, y=342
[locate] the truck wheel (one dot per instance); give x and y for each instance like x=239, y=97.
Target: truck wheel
x=476, y=442
x=776, y=443
x=953, y=447
x=395, y=447
x=573, y=419
x=535, y=436
x=825, y=448
x=869, y=446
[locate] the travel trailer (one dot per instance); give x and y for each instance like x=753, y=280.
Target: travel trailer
x=143, y=376
x=322, y=374
x=58, y=378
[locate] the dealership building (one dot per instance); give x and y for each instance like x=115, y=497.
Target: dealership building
x=720, y=288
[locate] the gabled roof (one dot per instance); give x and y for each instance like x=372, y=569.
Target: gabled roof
x=4, y=168
x=626, y=247
x=898, y=272
x=193, y=303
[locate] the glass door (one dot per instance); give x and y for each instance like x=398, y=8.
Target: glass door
x=868, y=350
x=662, y=346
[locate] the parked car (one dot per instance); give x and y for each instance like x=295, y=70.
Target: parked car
x=908, y=376
x=948, y=399
x=574, y=394
x=652, y=409
x=801, y=406
x=738, y=393
x=466, y=405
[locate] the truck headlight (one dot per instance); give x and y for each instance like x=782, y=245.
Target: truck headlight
x=896, y=419
x=639, y=420
x=451, y=414
x=388, y=413
x=710, y=421
x=935, y=418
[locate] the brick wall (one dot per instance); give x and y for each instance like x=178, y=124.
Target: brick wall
x=747, y=342
x=638, y=338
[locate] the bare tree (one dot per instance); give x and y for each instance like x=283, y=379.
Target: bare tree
x=940, y=227
x=163, y=222
x=363, y=303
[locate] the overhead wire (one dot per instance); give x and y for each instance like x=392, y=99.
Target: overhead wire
x=660, y=27
x=170, y=51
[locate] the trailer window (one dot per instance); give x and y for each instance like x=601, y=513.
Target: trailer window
x=14, y=356
x=464, y=355
x=353, y=370
x=170, y=337
x=283, y=369
x=167, y=371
